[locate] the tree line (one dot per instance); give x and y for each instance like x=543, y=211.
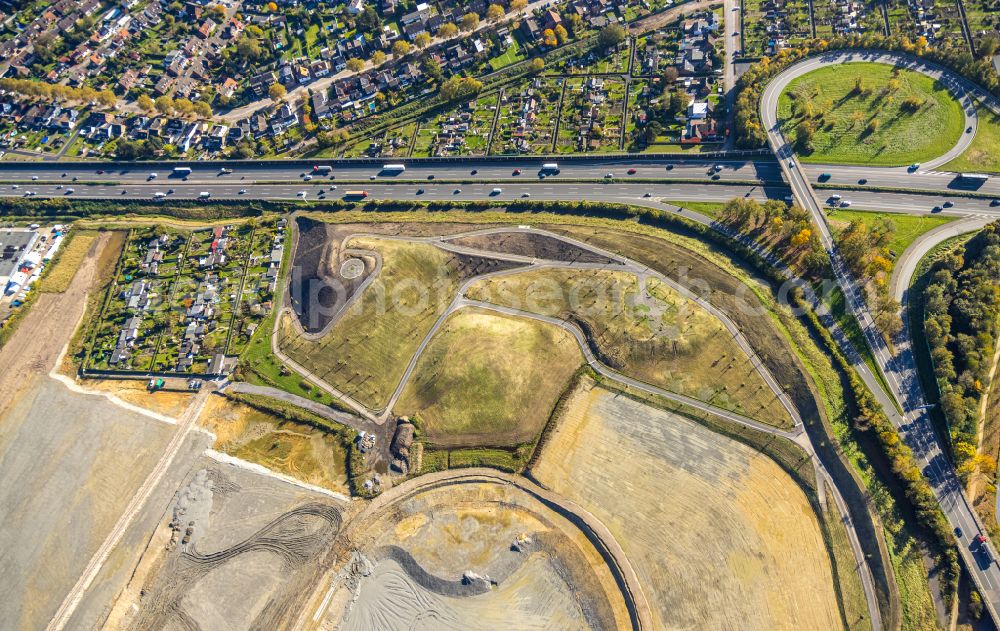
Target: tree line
x=785, y=230
x=961, y=324
x=865, y=249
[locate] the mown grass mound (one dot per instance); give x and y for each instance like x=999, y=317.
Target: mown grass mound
x=489, y=379
x=864, y=113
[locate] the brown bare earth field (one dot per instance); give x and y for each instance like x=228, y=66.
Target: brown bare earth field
x=408, y=569
x=489, y=379
x=163, y=402
x=302, y=452
x=530, y=244
x=720, y=536
x=47, y=327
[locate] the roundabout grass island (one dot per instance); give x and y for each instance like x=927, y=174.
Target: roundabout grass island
x=869, y=113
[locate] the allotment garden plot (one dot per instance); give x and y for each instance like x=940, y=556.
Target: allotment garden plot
x=463, y=131
x=592, y=114
x=528, y=118
x=182, y=301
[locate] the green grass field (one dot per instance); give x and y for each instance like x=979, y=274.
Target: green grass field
x=983, y=155
x=907, y=227
x=366, y=352
x=489, y=379
x=650, y=333
x=878, y=126
x=709, y=209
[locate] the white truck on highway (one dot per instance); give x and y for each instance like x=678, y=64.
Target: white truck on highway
x=393, y=168
x=182, y=171
x=204, y=195
x=550, y=167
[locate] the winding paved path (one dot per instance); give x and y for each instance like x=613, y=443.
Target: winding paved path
x=618, y=263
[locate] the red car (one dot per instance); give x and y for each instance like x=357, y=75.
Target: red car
x=631, y=171
x=517, y=171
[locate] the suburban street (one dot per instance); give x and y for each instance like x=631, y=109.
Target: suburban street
x=900, y=369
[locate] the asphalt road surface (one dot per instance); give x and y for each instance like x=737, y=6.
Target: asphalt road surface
x=899, y=368
x=549, y=190
x=760, y=170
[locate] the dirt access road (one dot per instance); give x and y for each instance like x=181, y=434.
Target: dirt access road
x=47, y=328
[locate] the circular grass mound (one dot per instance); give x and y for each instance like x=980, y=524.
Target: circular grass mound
x=869, y=113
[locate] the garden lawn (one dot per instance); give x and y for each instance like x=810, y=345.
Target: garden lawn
x=872, y=127
x=709, y=209
x=510, y=56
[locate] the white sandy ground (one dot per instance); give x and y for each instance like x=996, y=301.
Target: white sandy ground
x=262, y=470
x=534, y=598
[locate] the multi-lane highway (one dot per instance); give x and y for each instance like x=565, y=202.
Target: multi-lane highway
x=759, y=170
x=549, y=190
x=899, y=368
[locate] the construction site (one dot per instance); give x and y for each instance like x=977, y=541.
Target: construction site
x=418, y=464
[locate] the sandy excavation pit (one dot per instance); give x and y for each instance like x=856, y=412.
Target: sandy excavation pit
x=236, y=550
x=474, y=555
